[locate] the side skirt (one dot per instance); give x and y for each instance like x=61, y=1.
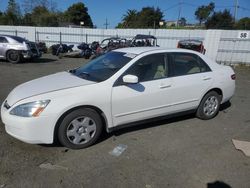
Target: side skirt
x=150, y=120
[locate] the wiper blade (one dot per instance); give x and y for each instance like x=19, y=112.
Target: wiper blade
x=72, y=71
x=83, y=75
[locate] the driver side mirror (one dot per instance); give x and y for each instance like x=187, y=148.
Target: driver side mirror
x=130, y=79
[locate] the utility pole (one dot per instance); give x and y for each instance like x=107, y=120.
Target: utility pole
x=236, y=6
x=179, y=14
x=106, y=24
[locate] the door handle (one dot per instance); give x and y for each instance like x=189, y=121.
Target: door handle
x=164, y=86
x=206, y=78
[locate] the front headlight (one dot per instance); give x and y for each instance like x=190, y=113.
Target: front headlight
x=32, y=109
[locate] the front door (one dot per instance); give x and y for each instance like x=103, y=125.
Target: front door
x=146, y=99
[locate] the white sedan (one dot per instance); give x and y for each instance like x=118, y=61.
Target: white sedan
x=119, y=88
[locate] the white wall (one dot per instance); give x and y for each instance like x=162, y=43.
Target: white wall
x=221, y=45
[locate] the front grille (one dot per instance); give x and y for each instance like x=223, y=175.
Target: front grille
x=6, y=105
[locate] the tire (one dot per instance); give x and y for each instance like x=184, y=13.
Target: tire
x=13, y=56
x=209, y=106
x=80, y=128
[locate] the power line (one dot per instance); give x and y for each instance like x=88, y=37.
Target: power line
x=190, y=4
x=181, y=4
x=195, y=5
x=175, y=5
x=243, y=8
x=216, y=6
x=224, y=6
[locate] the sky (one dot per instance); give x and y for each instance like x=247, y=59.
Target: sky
x=114, y=10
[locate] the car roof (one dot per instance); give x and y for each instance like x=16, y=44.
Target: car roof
x=114, y=38
x=190, y=41
x=144, y=37
x=17, y=38
x=141, y=50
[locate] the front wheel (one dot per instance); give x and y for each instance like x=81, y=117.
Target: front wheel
x=80, y=129
x=209, y=106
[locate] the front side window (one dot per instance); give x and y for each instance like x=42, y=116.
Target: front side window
x=3, y=40
x=187, y=63
x=150, y=67
x=103, y=67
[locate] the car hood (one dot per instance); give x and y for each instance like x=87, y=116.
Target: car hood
x=54, y=82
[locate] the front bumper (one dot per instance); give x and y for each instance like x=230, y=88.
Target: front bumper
x=33, y=130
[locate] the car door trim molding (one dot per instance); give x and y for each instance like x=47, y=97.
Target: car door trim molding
x=155, y=108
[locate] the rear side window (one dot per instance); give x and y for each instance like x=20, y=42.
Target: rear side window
x=3, y=40
x=187, y=63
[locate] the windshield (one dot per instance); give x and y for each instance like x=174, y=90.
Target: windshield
x=103, y=67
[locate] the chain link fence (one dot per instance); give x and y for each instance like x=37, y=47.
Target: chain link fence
x=223, y=46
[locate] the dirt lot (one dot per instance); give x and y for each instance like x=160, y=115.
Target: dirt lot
x=179, y=152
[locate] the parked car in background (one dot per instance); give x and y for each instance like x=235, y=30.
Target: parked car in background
x=117, y=89
x=196, y=45
x=16, y=49
x=109, y=44
x=113, y=43
x=144, y=40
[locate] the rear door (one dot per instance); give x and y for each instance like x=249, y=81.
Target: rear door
x=191, y=78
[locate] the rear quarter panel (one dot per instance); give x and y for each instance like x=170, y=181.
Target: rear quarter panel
x=224, y=81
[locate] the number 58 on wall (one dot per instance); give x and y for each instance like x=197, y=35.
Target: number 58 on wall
x=243, y=35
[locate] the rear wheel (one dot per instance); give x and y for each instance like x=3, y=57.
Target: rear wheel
x=209, y=106
x=80, y=129
x=13, y=56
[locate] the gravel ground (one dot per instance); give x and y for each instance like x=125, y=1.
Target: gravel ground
x=178, y=152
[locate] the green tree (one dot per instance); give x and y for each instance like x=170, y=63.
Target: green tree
x=220, y=20
x=203, y=12
x=28, y=20
x=1, y=18
x=119, y=25
x=243, y=23
x=12, y=15
x=129, y=19
x=182, y=21
x=77, y=13
x=148, y=17
x=29, y=5
x=41, y=16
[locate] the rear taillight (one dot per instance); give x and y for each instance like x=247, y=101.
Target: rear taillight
x=233, y=76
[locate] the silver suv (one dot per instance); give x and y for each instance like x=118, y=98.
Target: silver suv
x=15, y=49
